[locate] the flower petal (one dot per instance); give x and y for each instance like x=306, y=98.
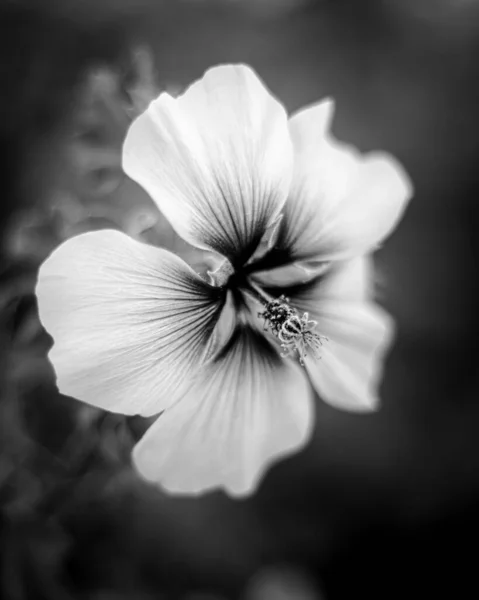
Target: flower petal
x=359, y=333
x=249, y=408
x=347, y=281
x=295, y=273
x=130, y=322
x=217, y=160
x=348, y=374
x=341, y=203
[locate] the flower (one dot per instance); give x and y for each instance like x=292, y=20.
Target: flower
x=230, y=362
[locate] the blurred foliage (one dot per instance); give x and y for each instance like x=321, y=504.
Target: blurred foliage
x=377, y=505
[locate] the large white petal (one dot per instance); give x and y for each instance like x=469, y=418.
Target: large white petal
x=359, y=333
x=341, y=203
x=130, y=322
x=217, y=160
x=249, y=408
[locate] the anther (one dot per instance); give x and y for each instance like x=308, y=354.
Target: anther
x=295, y=333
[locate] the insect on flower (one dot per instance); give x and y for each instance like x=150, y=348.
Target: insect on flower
x=230, y=358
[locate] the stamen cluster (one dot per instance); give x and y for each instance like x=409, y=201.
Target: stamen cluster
x=295, y=333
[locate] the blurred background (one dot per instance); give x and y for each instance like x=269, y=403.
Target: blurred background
x=377, y=506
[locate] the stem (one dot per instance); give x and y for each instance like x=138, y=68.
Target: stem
x=257, y=293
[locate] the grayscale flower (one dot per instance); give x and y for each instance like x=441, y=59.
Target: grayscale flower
x=231, y=361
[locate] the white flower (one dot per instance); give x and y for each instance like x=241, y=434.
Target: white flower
x=292, y=213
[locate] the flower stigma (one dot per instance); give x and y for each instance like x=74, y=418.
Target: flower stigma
x=295, y=333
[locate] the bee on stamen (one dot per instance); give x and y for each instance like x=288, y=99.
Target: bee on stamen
x=295, y=333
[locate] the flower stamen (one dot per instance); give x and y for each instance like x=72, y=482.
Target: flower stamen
x=295, y=333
